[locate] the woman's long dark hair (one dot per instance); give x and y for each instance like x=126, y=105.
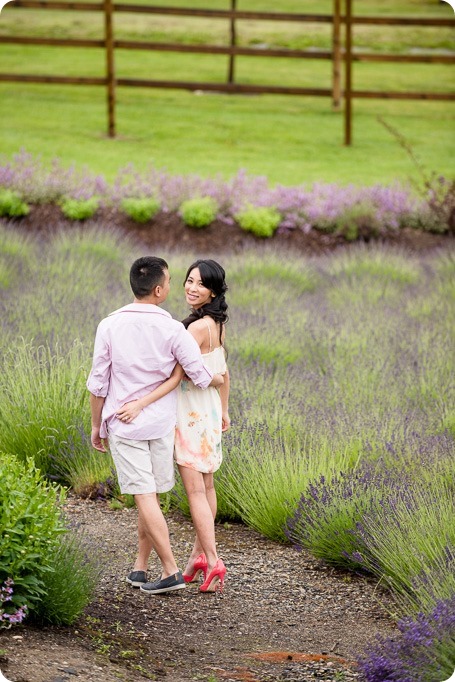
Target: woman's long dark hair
x=212, y=277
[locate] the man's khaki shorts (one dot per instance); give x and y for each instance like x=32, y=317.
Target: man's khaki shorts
x=144, y=466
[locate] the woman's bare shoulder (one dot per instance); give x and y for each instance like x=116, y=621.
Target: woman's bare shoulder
x=198, y=325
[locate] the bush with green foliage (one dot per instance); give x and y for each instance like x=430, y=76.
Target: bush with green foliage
x=30, y=528
x=359, y=220
x=79, y=209
x=140, y=209
x=262, y=221
x=11, y=205
x=198, y=212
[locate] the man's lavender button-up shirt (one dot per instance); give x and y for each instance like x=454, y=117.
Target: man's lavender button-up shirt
x=136, y=349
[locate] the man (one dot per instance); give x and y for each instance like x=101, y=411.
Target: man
x=136, y=349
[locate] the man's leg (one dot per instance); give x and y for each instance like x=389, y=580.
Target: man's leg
x=145, y=547
x=156, y=532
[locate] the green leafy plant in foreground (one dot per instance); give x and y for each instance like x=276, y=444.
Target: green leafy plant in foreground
x=262, y=221
x=140, y=209
x=198, y=212
x=30, y=528
x=79, y=209
x=12, y=205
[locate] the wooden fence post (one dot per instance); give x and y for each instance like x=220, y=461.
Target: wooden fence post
x=348, y=76
x=233, y=43
x=110, y=66
x=336, y=56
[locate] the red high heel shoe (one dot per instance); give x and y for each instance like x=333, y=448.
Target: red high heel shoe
x=215, y=579
x=200, y=566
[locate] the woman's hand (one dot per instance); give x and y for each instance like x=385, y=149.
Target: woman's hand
x=225, y=421
x=129, y=411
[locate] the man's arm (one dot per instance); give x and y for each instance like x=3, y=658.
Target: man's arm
x=96, y=408
x=188, y=354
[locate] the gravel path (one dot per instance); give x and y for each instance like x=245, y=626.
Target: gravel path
x=283, y=616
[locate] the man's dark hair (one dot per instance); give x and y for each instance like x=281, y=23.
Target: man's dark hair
x=146, y=273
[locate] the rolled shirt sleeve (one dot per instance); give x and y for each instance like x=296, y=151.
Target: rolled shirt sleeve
x=188, y=354
x=99, y=377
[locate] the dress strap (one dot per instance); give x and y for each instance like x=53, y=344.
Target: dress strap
x=210, y=336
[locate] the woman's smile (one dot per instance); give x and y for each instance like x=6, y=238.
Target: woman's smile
x=196, y=293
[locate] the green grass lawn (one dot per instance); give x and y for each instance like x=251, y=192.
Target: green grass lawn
x=289, y=139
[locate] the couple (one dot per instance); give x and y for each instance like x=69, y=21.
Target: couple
x=141, y=355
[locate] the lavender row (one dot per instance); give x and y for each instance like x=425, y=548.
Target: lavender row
x=325, y=207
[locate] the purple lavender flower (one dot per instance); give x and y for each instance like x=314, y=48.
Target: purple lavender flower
x=425, y=651
x=10, y=617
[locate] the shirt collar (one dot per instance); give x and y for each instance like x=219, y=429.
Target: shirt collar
x=141, y=308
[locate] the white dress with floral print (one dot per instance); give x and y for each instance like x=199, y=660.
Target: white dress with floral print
x=198, y=431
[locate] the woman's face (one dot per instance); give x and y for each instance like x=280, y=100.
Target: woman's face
x=196, y=293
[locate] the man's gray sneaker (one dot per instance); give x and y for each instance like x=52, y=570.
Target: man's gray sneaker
x=137, y=578
x=173, y=582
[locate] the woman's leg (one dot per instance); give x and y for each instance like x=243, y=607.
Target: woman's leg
x=202, y=500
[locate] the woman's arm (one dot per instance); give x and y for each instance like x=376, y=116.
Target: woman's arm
x=130, y=410
x=224, y=395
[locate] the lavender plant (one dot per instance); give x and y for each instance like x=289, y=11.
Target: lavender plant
x=349, y=210
x=266, y=470
x=423, y=652
x=43, y=402
x=10, y=615
x=408, y=541
x=70, y=585
x=328, y=513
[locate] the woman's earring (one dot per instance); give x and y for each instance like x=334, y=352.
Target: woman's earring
x=212, y=295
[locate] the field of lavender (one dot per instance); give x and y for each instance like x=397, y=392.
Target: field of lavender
x=342, y=405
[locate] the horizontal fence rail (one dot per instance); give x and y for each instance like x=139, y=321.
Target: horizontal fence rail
x=339, y=53
x=228, y=14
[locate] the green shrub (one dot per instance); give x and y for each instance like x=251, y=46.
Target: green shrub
x=70, y=584
x=11, y=205
x=358, y=220
x=262, y=221
x=198, y=212
x=141, y=209
x=30, y=528
x=79, y=209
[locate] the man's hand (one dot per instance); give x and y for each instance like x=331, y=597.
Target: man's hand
x=97, y=442
x=217, y=380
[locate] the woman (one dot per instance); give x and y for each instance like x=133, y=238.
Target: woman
x=202, y=415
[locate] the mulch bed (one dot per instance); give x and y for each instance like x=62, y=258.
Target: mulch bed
x=167, y=230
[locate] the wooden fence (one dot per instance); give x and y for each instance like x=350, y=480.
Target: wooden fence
x=341, y=54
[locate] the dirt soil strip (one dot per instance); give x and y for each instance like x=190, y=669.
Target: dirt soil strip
x=283, y=615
